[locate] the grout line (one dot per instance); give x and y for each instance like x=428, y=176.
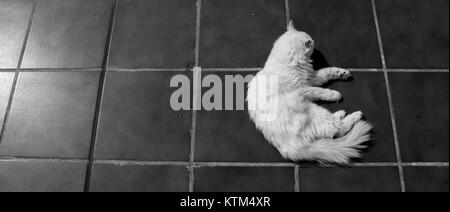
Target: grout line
x=426, y=164
x=146, y=69
x=209, y=70
x=101, y=87
x=59, y=69
x=191, y=178
x=297, y=179
x=24, y=159
x=6, y=70
x=16, y=75
x=192, y=152
x=197, y=32
x=419, y=70
x=380, y=41
x=287, y=10
x=390, y=100
x=144, y=163
x=231, y=69
x=350, y=69
x=195, y=101
x=242, y=164
x=224, y=164
x=394, y=129
x=197, y=71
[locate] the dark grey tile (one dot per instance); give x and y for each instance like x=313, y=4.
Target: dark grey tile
x=68, y=34
x=344, y=31
x=139, y=178
x=239, y=33
x=15, y=15
x=6, y=80
x=367, y=93
x=426, y=179
x=154, y=34
x=356, y=179
x=421, y=110
x=137, y=121
x=230, y=135
x=51, y=115
x=244, y=179
x=42, y=176
x=414, y=33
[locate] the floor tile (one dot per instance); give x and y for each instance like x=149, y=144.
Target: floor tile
x=426, y=179
x=51, y=115
x=414, y=33
x=230, y=135
x=421, y=110
x=244, y=179
x=239, y=33
x=367, y=93
x=137, y=121
x=42, y=176
x=166, y=39
x=68, y=34
x=344, y=31
x=6, y=80
x=15, y=17
x=139, y=178
x=357, y=179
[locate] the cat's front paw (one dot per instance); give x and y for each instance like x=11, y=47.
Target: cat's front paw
x=342, y=73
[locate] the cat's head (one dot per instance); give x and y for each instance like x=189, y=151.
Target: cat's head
x=293, y=45
x=301, y=41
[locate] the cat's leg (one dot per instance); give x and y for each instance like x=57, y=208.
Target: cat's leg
x=348, y=122
x=324, y=124
x=326, y=74
x=316, y=93
x=340, y=114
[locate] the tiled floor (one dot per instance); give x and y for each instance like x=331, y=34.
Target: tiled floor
x=85, y=90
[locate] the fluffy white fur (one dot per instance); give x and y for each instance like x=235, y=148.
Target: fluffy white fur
x=299, y=128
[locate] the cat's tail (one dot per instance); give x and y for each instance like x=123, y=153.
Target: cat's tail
x=339, y=150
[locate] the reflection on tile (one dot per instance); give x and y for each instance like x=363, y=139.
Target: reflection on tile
x=42, y=176
x=230, y=135
x=51, y=115
x=357, y=179
x=166, y=39
x=244, y=179
x=344, y=31
x=426, y=179
x=137, y=121
x=68, y=34
x=421, y=110
x=139, y=178
x=239, y=33
x=367, y=93
x=6, y=80
x=15, y=15
x=414, y=33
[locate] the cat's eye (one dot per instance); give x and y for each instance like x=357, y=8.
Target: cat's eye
x=309, y=44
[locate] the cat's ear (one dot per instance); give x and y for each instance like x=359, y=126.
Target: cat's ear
x=291, y=27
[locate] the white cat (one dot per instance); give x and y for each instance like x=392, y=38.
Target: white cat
x=281, y=103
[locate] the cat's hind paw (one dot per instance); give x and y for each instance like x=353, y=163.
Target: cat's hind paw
x=356, y=116
x=340, y=114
